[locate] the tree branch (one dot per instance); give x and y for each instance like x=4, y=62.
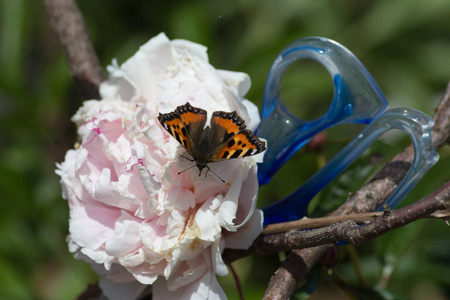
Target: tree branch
x=308, y=223
x=68, y=25
x=441, y=130
x=350, y=231
x=283, y=283
x=331, y=230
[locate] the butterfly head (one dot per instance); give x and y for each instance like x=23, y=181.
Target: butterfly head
x=201, y=166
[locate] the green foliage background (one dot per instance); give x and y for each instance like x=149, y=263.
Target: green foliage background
x=404, y=44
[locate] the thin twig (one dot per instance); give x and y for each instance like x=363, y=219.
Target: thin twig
x=68, y=24
x=237, y=281
x=308, y=223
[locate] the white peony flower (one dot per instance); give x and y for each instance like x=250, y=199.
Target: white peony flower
x=131, y=215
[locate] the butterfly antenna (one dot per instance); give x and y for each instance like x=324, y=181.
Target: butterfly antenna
x=186, y=169
x=213, y=173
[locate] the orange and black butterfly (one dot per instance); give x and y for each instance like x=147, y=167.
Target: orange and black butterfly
x=225, y=138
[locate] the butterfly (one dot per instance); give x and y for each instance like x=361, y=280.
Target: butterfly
x=225, y=138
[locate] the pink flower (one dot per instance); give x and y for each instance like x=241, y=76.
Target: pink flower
x=131, y=215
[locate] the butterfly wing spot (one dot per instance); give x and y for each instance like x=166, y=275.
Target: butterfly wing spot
x=190, y=114
x=232, y=142
x=236, y=153
x=242, y=144
x=183, y=141
x=178, y=134
x=250, y=152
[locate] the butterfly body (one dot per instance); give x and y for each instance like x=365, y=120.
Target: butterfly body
x=225, y=138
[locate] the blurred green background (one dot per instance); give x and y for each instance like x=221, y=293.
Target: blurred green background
x=404, y=44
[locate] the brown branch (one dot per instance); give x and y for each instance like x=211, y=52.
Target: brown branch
x=350, y=231
x=334, y=229
x=441, y=130
x=283, y=283
x=308, y=223
x=68, y=25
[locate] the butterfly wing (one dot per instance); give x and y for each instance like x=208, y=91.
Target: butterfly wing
x=185, y=124
x=232, y=137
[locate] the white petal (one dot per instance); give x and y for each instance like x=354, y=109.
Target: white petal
x=229, y=206
x=238, y=80
x=216, y=252
x=149, y=182
x=91, y=225
x=207, y=223
x=244, y=237
x=254, y=118
x=204, y=287
x=127, y=239
x=247, y=198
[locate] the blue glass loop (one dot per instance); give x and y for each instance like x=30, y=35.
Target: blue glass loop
x=416, y=124
x=357, y=99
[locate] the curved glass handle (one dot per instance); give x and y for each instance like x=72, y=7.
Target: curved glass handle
x=357, y=99
x=416, y=124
